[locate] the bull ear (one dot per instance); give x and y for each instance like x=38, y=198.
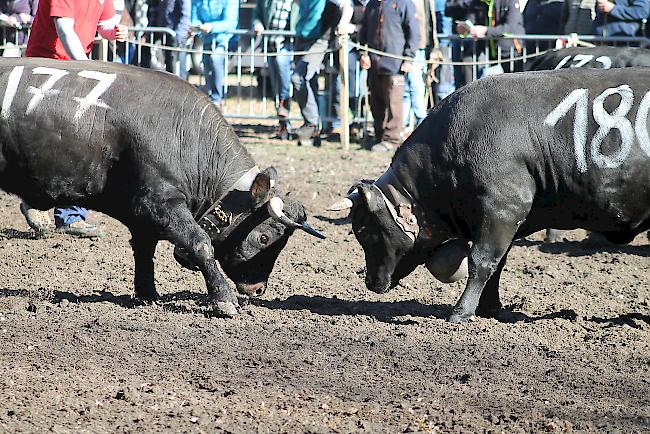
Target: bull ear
x=360, y=182
x=261, y=189
x=273, y=175
x=368, y=196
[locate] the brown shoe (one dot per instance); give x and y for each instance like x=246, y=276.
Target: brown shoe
x=308, y=135
x=283, y=108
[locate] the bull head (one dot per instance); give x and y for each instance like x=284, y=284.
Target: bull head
x=249, y=246
x=391, y=253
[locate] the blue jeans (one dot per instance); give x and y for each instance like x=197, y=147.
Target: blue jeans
x=66, y=216
x=305, y=78
x=280, y=70
x=213, y=65
x=414, y=91
x=353, y=61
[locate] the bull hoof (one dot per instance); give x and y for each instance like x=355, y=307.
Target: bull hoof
x=147, y=298
x=225, y=309
x=489, y=312
x=460, y=318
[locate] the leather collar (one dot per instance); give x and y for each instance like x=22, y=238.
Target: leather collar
x=216, y=218
x=404, y=209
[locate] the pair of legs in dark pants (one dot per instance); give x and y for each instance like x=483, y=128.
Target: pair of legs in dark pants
x=387, y=105
x=305, y=78
x=470, y=51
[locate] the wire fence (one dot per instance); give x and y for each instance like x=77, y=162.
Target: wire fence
x=251, y=80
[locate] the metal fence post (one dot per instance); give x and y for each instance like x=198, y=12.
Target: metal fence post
x=344, y=90
x=103, y=50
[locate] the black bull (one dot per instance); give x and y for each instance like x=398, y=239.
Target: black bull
x=601, y=57
x=590, y=57
x=501, y=159
x=151, y=151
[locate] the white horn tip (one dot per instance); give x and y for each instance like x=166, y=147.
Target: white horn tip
x=340, y=206
x=275, y=207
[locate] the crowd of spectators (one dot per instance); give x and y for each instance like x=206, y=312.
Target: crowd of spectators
x=406, y=28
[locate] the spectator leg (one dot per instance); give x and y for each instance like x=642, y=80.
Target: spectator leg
x=418, y=102
x=408, y=90
x=274, y=75
x=170, y=56
x=457, y=56
x=66, y=216
x=353, y=59
x=445, y=74
x=508, y=66
x=305, y=81
x=377, y=103
x=284, y=74
x=214, y=72
x=394, y=94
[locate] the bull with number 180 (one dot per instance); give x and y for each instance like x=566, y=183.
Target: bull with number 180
x=499, y=160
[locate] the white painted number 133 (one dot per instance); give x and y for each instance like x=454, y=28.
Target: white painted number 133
x=606, y=121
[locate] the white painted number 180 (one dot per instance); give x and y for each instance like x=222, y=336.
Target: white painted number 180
x=606, y=121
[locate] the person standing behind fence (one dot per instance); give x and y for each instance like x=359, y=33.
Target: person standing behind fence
x=391, y=27
x=277, y=15
x=414, y=89
x=316, y=21
x=622, y=18
x=65, y=30
x=542, y=17
x=14, y=14
x=215, y=19
x=491, y=19
x=174, y=15
x=578, y=17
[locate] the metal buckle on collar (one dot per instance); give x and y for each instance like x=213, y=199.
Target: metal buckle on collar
x=407, y=219
x=214, y=221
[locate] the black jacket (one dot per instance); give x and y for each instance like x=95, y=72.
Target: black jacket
x=506, y=18
x=390, y=26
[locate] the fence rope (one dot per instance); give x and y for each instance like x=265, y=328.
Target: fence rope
x=524, y=57
x=449, y=62
x=228, y=53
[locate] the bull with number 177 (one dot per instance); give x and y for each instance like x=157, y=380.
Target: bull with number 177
x=153, y=152
x=498, y=160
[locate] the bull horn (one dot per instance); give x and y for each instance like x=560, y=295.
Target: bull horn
x=311, y=231
x=341, y=205
x=275, y=208
x=346, y=203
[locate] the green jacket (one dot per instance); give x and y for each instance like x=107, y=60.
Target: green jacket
x=264, y=10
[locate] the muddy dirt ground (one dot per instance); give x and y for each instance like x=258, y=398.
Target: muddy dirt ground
x=318, y=352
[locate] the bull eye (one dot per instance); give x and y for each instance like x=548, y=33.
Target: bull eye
x=264, y=239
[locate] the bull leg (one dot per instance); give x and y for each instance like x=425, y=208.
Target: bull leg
x=144, y=247
x=487, y=257
x=489, y=304
x=183, y=231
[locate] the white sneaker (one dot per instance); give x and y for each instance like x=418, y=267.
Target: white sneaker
x=38, y=220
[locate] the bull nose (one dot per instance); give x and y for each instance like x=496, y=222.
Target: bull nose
x=252, y=289
x=377, y=286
